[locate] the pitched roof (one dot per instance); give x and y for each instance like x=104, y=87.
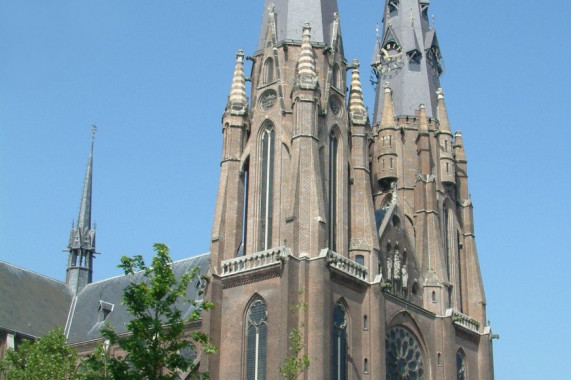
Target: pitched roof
x=85, y=319
x=31, y=304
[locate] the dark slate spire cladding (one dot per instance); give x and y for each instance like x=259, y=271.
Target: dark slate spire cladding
x=292, y=15
x=81, y=245
x=407, y=56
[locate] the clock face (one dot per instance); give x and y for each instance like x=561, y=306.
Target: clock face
x=434, y=59
x=391, y=59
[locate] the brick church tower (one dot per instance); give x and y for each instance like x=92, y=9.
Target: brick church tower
x=367, y=225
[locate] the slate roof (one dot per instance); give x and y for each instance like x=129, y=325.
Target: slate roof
x=291, y=15
x=85, y=320
x=31, y=304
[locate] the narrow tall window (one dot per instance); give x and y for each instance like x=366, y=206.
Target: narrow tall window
x=246, y=180
x=267, y=178
x=268, y=71
x=460, y=366
x=446, y=241
x=333, y=145
x=335, y=77
x=256, y=340
x=339, y=359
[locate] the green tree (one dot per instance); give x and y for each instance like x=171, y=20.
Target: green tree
x=294, y=365
x=156, y=335
x=46, y=358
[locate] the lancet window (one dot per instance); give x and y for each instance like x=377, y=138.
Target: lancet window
x=256, y=340
x=339, y=351
x=332, y=206
x=267, y=178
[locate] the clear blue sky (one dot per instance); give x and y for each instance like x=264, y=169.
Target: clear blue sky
x=154, y=77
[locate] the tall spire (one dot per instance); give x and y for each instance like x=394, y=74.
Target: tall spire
x=81, y=245
x=84, y=218
x=408, y=57
x=292, y=14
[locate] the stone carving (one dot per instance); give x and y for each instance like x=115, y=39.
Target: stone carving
x=404, y=277
x=268, y=99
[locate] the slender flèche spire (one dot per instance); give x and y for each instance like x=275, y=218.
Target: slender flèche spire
x=238, y=101
x=81, y=245
x=84, y=219
x=408, y=57
x=291, y=15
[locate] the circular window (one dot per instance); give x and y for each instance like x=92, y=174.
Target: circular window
x=268, y=99
x=403, y=355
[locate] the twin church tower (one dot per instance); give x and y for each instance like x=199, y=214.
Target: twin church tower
x=365, y=224
x=368, y=223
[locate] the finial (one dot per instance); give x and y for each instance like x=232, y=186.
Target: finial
x=93, y=131
x=440, y=93
x=458, y=134
x=271, y=8
x=387, y=87
x=433, y=21
x=377, y=32
x=422, y=106
x=388, y=17
x=335, y=16
x=355, y=63
x=411, y=17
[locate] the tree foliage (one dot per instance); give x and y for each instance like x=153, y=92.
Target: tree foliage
x=156, y=336
x=294, y=365
x=46, y=358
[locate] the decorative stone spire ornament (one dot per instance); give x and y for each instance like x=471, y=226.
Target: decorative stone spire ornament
x=238, y=101
x=357, y=110
x=306, y=77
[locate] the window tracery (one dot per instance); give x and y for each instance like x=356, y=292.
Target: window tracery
x=256, y=340
x=404, y=358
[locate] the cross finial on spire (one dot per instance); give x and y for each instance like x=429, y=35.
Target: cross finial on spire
x=93, y=131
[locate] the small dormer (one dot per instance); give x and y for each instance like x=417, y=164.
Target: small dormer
x=104, y=310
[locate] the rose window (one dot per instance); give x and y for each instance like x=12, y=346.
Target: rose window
x=403, y=355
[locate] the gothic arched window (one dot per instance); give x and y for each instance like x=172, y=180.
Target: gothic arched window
x=268, y=71
x=266, y=187
x=403, y=355
x=460, y=366
x=339, y=342
x=332, y=207
x=256, y=340
x=335, y=76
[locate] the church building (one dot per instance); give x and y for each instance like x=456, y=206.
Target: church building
x=355, y=230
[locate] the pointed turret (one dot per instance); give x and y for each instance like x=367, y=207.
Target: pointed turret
x=364, y=241
x=386, y=165
x=227, y=232
x=446, y=152
x=408, y=57
x=81, y=245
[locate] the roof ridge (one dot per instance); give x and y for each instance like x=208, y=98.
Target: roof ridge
x=32, y=272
